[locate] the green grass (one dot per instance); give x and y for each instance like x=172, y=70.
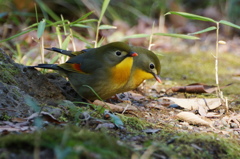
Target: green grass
x=186, y=68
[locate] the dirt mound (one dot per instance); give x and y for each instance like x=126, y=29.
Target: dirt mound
x=18, y=81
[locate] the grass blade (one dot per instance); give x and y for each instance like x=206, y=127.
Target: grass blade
x=80, y=26
x=56, y=23
x=229, y=24
x=101, y=27
x=204, y=30
x=191, y=16
x=104, y=7
x=137, y=36
x=66, y=42
x=83, y=17
x=31, y=26
x=89, y=21
x=41, y=28
x=46, y=9
x=183, y=36
x=16, y=35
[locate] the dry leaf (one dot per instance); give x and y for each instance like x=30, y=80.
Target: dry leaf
x=235, y=118
x=19, y=120
x=114, y=108
x=46, y=116
x=212, y=115
x=194, y=104
x=148, y=153
x=192, y=118
x=8, y=129
x=202, y=110
x=196, y=88
x=105, y=125
x=137, y=96
x=151, y=131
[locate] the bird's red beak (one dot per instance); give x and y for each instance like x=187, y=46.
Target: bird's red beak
x=157, y=78
x=133, y=54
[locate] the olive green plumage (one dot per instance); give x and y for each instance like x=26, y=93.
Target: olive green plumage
x=96, y=68
x=108, y=70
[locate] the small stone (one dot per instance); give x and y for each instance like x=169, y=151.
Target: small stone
x=233, y=125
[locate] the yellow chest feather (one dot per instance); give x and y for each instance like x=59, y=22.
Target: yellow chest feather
x=121, y=72
x=139, y=76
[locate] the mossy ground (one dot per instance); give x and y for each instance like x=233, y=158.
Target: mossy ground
x=8, y=73
x=74, y=142
x=83, y=141
x=71, y=142
x=185, y=68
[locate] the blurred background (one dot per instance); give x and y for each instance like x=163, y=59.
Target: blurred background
x=130, y=17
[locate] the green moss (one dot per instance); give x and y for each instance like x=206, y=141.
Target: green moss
x=134, y=123
x=75, y=142
x=79, y=143
x=7, y=73
x=4, y=117
x=205, y=146
x=187, y=68
x=184, y=145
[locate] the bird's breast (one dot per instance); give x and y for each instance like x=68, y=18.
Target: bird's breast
x=139, y=76
x=121, y=72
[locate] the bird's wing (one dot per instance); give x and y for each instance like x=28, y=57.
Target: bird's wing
x=75, y=53
x=72, y=67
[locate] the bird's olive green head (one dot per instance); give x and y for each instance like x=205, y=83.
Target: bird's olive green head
x=114, y=53
x=148, y=62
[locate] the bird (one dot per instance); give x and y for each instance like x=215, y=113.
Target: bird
x=145, y=66
x=103, y=72
x=96, y=72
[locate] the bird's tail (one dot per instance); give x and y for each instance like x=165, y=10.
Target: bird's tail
x=61, y=51
x=46, y=66
x=66, y=52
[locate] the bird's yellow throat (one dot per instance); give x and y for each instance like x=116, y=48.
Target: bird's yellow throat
x=139, y=76
x=121, y=72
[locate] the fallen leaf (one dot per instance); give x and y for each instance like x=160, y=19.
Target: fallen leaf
x=151, y=131
x=196, y=88
x=235, y=118
x=202, y=110
x=19, y=120
x=137, y=96
x=8, y=129
x=212, y=115
x=46, y=116
x=113, y=107
x=148, y=153
x=105, y=125
x=194, y=104
x=196, y=147
x=192, y=118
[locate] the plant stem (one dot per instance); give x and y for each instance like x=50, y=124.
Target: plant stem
x=42, y=49
x=97, y=32
x=151, y=37
x=216, y=60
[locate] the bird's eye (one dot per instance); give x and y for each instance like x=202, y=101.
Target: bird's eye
x=118, y=53
x=151, y=66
